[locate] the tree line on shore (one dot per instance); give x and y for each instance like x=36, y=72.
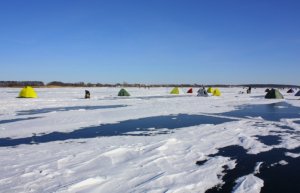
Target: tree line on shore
x=125, y=84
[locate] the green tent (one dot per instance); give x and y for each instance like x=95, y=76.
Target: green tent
x=123, y=92
x=274, y=94
x=176, y=90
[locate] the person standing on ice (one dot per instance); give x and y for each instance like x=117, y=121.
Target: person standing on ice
x=87, y=94
x=249, y=90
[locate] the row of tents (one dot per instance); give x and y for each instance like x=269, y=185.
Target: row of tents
x=29, y=92
x=274, y=93
x=291, y=91
x=201, y=91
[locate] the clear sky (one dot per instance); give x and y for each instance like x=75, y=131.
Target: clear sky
x=151, y=41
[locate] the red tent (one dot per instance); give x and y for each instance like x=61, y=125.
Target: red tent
x=190, y=90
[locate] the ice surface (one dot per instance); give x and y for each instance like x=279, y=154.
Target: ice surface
x=293, y=155
x=248, y=184
x=283, y=162
x=257, y=168
x=134, y=163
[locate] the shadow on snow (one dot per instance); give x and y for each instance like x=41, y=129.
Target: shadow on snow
x=139, y=127
x=16, y=120
x=60, y=109
x=270, y=112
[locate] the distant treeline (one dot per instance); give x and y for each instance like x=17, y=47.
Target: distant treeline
x=270, y=86
x=21, y=83
x=82, y=84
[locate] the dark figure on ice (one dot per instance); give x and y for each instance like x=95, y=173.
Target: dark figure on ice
x=249, y=90
x=87, y=94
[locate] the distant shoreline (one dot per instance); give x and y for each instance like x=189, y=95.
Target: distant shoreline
x=57, y=84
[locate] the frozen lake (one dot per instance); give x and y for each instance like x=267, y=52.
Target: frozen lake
x=149, y=142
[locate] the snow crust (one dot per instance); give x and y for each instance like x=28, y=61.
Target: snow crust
x=248, y=184
x=293, y=155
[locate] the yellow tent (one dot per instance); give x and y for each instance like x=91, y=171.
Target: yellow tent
x=176, y=90
x=27, y=92
x=217, y=92
x=210, y=90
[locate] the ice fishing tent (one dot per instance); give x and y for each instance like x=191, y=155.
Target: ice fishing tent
x=298, y=93
x=190, y=91
x=274, y=94
x=290, y=91
x=27, y=92
x=267, y=90
x=202, y=92
x=210, y=90
x=123, y=92
x=216, y=92
x=176, y=90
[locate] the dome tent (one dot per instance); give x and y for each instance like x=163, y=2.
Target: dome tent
x=176, y=90
x=123, y=92
x=274, y=94
x=190, y=91
x=27, y=92
x=290, y=91
x=216, y=92
x=210, y=90
x=202, y=92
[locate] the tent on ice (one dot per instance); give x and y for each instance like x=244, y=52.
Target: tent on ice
x=123, y=92
x=298, y=93
x=27, y=92
x=202, y=92
x=176, y=90
x=190, y=91
x=290, y=91
x=217, y=92
x=210, y=90
x=274, y=94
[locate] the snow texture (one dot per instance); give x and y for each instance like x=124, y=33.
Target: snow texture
x=248, y=184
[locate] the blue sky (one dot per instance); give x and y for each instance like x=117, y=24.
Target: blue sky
x=151, y=41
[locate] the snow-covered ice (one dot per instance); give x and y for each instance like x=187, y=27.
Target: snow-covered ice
x=133, y=162
x=248, y=184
